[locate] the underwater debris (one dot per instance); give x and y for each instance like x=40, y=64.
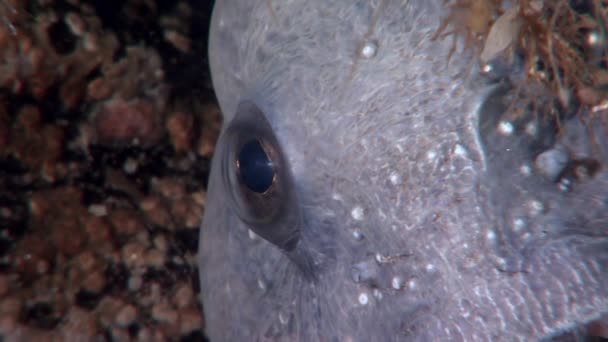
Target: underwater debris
x=563, y=43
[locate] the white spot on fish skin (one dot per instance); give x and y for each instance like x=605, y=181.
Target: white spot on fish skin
x=430, y=155
x=252, y=235
x=369, y=49
x=363, y=299
x=459, y=150
x=358, y=235
x=535, y=207
x=525, y=170
x=261, y=284
x=397, y=283
x=491, y=235
x=395, y=178
x=505, y=128
x=502, y=263
x=487, y=68
x=518, y=224
x=412, y=284
x=399, y=148
x=378, y=294
x=430, y=267
x=565, y=184
x=357, y=213
x=336, y=196
x=282, y=319
x=380, y=258
x=531, y=128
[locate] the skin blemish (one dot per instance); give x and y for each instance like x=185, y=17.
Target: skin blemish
x=363, y=298
x=358, y=235
x=431, y=155
x=253, y=236
x=531, y=129
x=505, y=128
x=491, y=235
x=357, y=213
x=430, y=267
x=283, y=319
x=412, y=284
x=397, y=283
x=565, y=184
x=378, y=294
x=336, y=197
x=525, y=170
x=369, y=49
x=460, y=151
x=518, y=224
x=395, y=178
x=261, y=284
x=535, y=207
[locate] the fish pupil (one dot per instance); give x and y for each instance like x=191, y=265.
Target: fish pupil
x=256, y=169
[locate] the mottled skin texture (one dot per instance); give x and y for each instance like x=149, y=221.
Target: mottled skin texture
x=420, y=217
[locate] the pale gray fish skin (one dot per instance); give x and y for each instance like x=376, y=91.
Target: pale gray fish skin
x=423, y=212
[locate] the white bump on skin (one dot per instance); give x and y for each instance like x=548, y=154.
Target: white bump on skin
x=536, y=207
x=430, y=268
x=357, y=213
x=397, y=283
x=380, y=258
x=261, y=284
x=459, y=150
x=505, y=128
x=525, y=170
x=252, y=235
x=369, y=50
x=378, y=294
x=357, y=235
x=491, y=235
x=430, y=155
x=337, y=197
x=363, y=299
x=487, y=68
x=531, y=128
x=412, y=284
x=564, y=184
x=518, y=224
x=395, y=178
x=502, y=262
x=283, y=319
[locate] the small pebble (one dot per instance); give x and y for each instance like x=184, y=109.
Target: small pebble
x=155, y=258
x=126, y=316
x=164, y=313
x=184, y=296
x=133, y=254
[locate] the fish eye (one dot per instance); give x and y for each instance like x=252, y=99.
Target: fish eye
x=255, y=168
x=257, y=178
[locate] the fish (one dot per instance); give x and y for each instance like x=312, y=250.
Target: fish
x=365, y=189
